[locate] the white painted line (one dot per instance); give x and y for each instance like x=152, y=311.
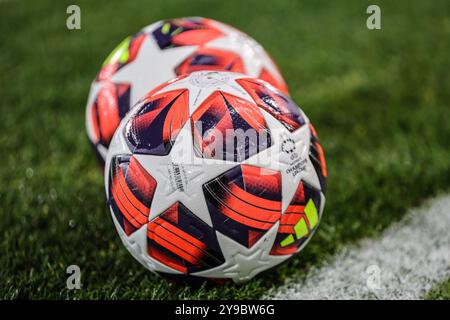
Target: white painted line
x=404, y=263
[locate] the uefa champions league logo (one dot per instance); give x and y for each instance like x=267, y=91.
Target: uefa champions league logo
x=297, y=162
x=288, y=146
x=209, y=79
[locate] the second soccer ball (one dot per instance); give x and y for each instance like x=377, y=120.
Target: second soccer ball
x=161, y=52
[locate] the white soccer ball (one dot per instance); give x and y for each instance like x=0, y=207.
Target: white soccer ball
x=215, y=175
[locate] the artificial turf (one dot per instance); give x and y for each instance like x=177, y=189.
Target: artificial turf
x=378, y=99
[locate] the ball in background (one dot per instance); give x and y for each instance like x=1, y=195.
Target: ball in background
x=161, y=52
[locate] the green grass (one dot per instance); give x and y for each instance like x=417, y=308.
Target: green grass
x=379, y=101
x=440, y=291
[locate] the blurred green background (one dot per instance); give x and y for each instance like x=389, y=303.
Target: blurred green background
x=378, y=99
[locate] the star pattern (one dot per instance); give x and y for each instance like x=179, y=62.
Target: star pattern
x=155, y=73
x=203, y=83
x=146, y=72
x=185, y=185
x=242, y=263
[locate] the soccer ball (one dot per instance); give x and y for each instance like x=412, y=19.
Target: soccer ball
x=215, y=175
x=160, y=52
